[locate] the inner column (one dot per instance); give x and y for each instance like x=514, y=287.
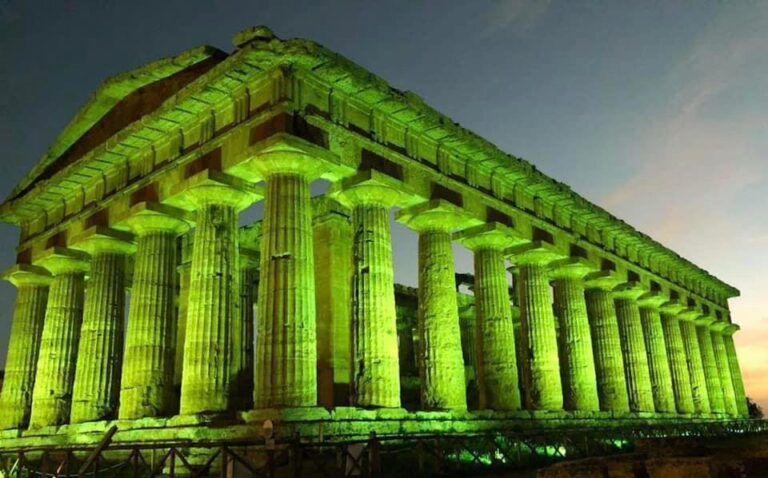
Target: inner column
x=32, y=284
x=52, y=394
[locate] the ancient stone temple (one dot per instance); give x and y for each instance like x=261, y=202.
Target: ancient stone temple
x=144, y=304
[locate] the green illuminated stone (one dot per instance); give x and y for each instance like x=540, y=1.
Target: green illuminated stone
x=375, y=364
x=333, y=292
x=678, y=361
x=242, y=339
x=51, y=398
x=24, y=343
x=658, y=360
x=286, y=347
x=541, y=367
x=577, y=362
x=711, y=375
x=733, y=362
x=723, y=368
x=633, y=349
x=695, y=365
x=440, y=356
x=146, y=385
x=182, y=308
x=495, y=351
x=100, y=352
x=214, y=288
x=609, y=363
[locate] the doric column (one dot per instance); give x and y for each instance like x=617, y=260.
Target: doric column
x=440, y=357
x=723, y=368
x=206, y=381
x=541, y=368
x=146, y=386
x=16, y=398
x=603, y=324
x=633, y=347
x=187, y=241
x=100, y=351
x=286, y=343
x=375, y=365
x=243, y=332
x=495, y=354
x=711, y=374
x=733, y=364
x=693, y=356
x=51, y=398
x=577, y=362
x=658, y=360
x=678, y=361
x=332, y=238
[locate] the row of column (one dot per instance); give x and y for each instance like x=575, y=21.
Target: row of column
x=589, y=347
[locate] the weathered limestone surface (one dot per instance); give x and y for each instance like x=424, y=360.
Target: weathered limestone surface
x=724, y=371
x=711, y=375
x=242, y=338
x=609, y=363
x=100, y=352
x=333, y=252
x=541, y=370
x=214, y=286
x=146, y=386
x=182, y=308
x=695, y=366
x=633, y=350
x=678, y=362
x=286, y=348
x=658, y=360
x=577, y=362
x=738, y=382
x=24, y=343
x=495, y=351
x=51, y=398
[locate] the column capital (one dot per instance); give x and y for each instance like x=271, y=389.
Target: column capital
x=214, y=187
x=631, y=290
x=730, y=329
x=671, y=307
x=27, y=274
x=249, y=257
x=61, y=260
x=534, y=252
x=605, y=280
x=572, y=267
x=690, y=314
x=99, y=239
x=705, y=320
x=326, y=208
x=437, y=215
x=491, y=235
x=148, y=217
x=374, y=187
x=652, y=300
x=720, y=326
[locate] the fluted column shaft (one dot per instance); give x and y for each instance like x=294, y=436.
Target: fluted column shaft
x=609, y=362
x=695, y=366
x=724, y=372
x=541, y=369
x=711, y=375
x=495, y=335
x=738, y=382
x=150, y=343
x=658, y=360
x=23, y=346
x=286, y=348
x=577, y=362
x=635, y=355
x=442, y=363
x=678, y=363
x=51, y=398
x=242, y=339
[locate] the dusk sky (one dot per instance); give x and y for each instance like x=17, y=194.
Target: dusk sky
x=656, y=110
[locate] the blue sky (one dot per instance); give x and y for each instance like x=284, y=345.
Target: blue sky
x=656, y=110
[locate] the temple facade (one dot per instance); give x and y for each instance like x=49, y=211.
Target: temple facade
x=143, y=302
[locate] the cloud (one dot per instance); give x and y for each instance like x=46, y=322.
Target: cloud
x=518, y=16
